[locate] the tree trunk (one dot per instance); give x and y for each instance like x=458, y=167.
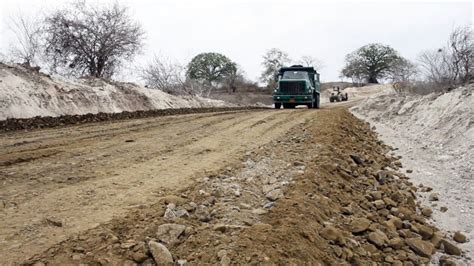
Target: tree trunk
x=100, y=66
x=373, y=79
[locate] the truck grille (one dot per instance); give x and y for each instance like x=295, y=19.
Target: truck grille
x=292, y=87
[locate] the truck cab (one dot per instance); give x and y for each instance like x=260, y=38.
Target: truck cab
x=297, y=85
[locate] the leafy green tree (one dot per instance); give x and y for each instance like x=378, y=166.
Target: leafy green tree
x=372, y=62
x=211, y=68
x=273, y=60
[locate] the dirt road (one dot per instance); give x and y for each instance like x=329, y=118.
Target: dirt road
x=82, y=176
x=244, y=187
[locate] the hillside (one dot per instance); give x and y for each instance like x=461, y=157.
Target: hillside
x=434, y=135
x=27, y=93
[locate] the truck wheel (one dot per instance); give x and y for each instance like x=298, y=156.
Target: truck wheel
x=277, y=105
x=317, y=101
x=312, y=104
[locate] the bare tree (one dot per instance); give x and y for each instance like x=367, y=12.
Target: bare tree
x=402, y=71
x=309, y=61
x=461, y=44
x=235, y=79
x=273, y=60
x=91, y=40
x=452, y=64
x=27, y=45
x=436, y=66
x=165, y=75
x=171, y=77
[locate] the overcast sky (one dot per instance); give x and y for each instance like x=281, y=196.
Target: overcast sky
x=244, y=30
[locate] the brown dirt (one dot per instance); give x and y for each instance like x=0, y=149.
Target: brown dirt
x=253, y=194
x=85, y=175
x=15, y=124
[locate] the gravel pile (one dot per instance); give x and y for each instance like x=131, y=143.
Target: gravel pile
x=434, y=136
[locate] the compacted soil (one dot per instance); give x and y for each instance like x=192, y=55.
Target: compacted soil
x=227, y=187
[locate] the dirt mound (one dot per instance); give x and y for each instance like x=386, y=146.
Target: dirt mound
x=326, y=194
x=13, y=124
x=25, y=92
x=441, y=117
x=435, y=137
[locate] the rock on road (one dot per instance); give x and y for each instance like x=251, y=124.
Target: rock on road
x=62, y=181
x=228, y=187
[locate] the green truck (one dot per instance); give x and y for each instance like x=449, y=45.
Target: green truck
x=297, y=85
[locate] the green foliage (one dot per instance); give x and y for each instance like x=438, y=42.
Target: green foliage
x=211, y=68
x=371, y=62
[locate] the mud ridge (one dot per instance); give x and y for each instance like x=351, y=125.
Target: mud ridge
x=15, y=124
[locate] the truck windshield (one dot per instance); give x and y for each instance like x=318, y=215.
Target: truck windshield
x=295, y=75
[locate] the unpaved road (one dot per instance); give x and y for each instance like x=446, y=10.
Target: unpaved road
x=250, y=187
x=82, y=176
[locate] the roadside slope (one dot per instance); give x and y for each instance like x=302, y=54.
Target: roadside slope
x=434, y=135
x=25, y=93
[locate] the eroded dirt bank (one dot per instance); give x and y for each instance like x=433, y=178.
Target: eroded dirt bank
x=326, y=192
x=26, y=93
x=434, y=135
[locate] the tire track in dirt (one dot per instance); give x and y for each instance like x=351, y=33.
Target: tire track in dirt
x=325, y=193
x=80, y=162
x=93, y=131
x=128, y=174
x=17, y=124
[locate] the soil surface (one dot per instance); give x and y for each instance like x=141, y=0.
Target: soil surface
x=434, y=135
x=85, y=175
x=14, y=124
x=25, y=92
x=243, y=187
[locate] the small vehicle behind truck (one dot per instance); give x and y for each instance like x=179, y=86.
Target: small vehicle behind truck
x=297, y=85
x=338, y=96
